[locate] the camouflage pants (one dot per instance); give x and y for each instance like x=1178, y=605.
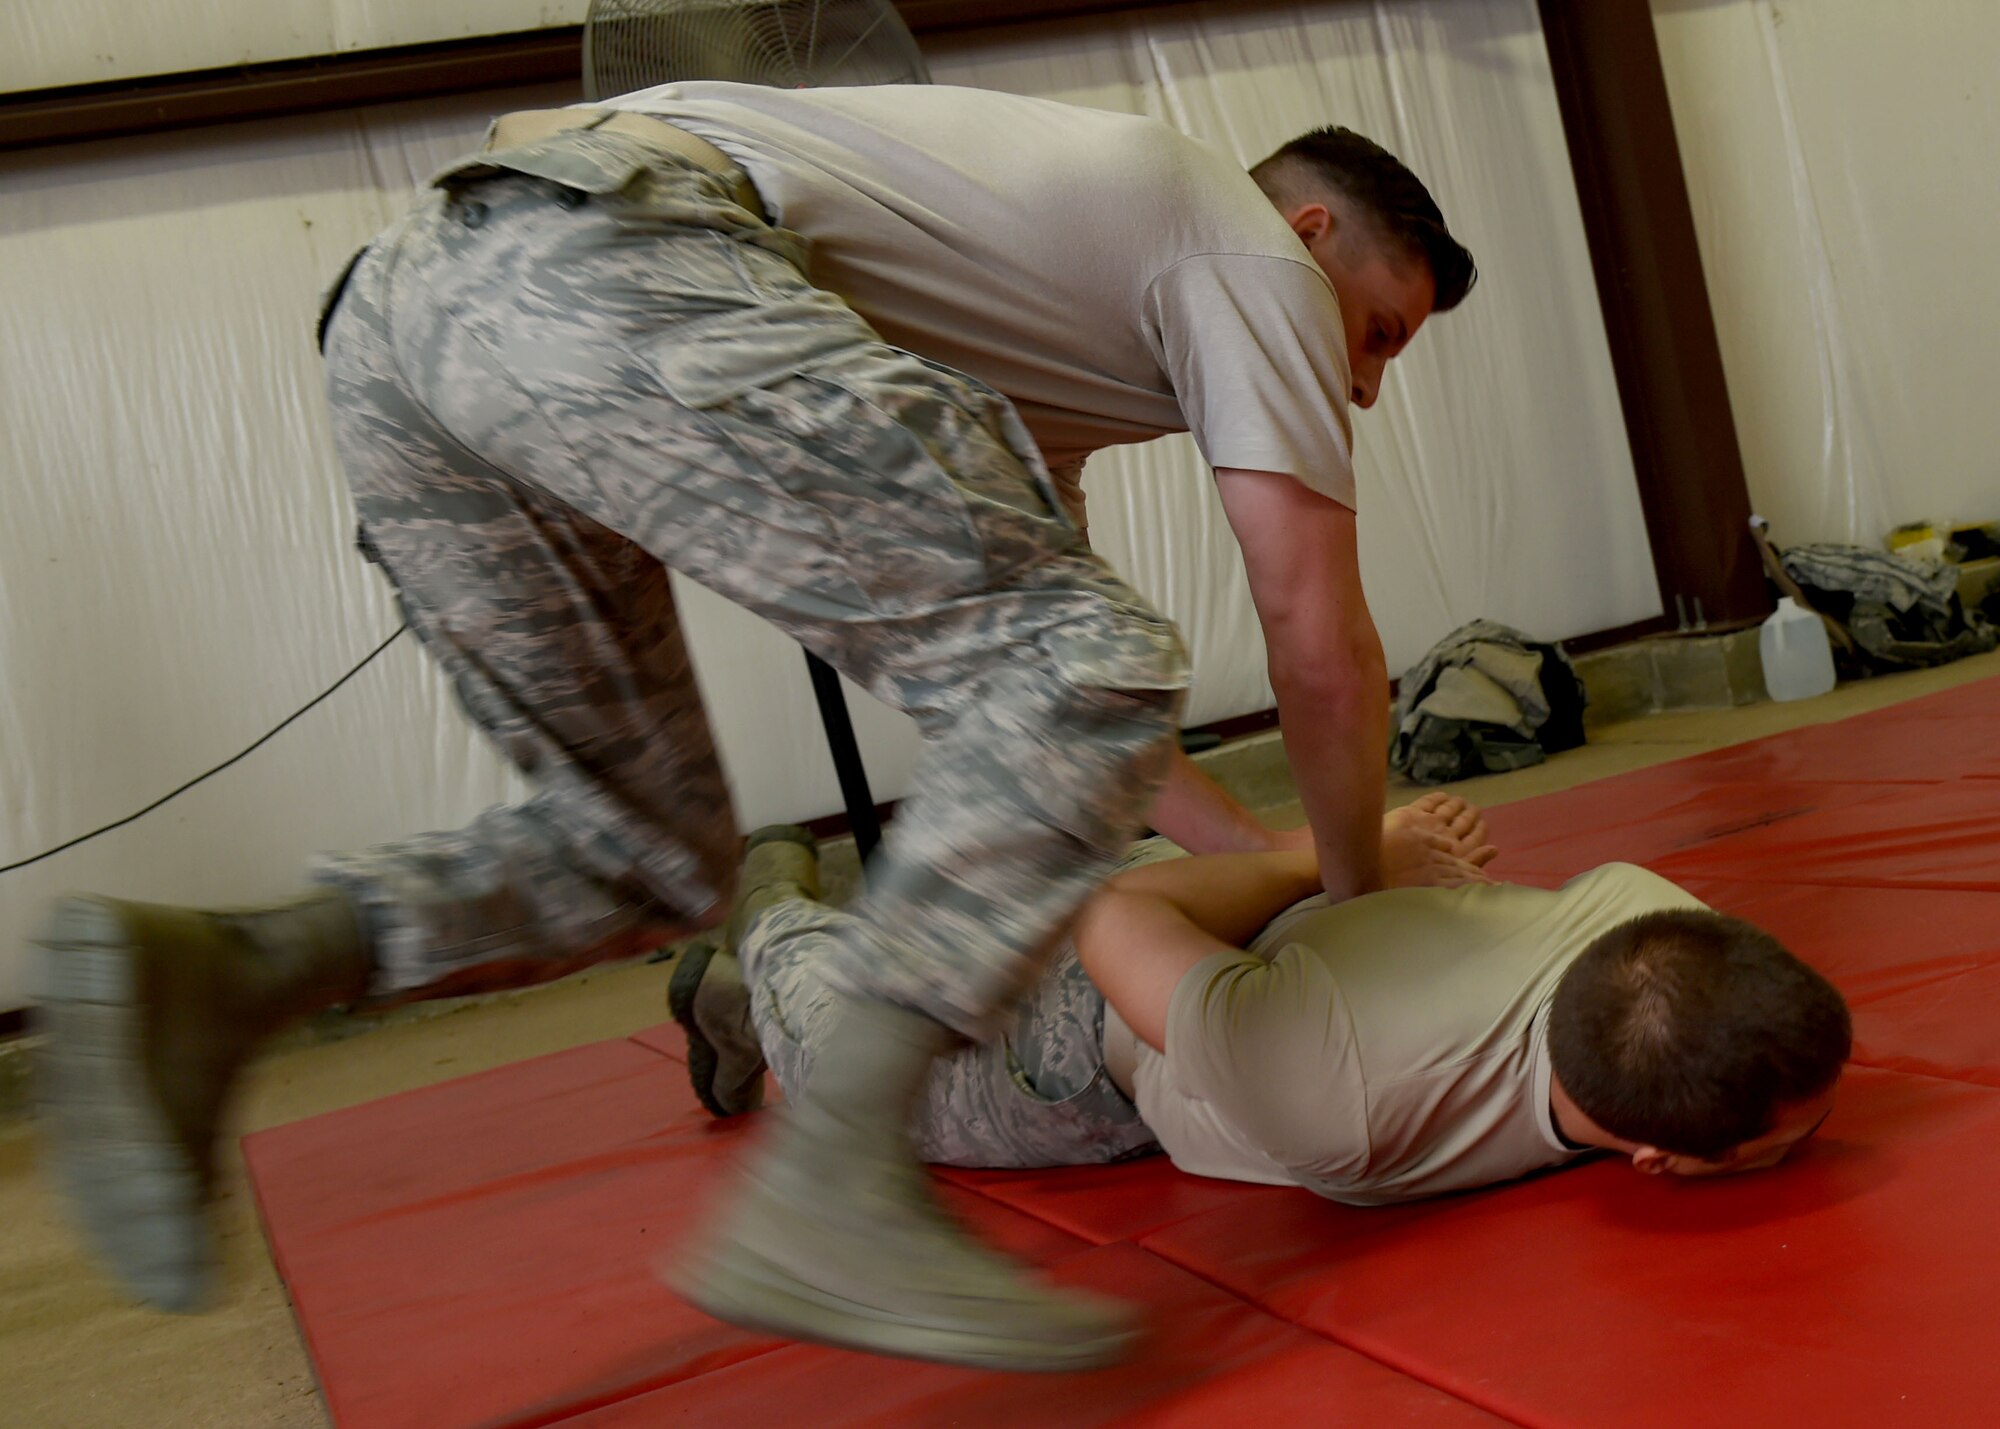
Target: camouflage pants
x=1035, y=1095
x=552, y=383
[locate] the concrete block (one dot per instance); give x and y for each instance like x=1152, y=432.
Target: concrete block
x=1977, y=580
x=1745, y=664
x=1673, y=672
x=1622, y=683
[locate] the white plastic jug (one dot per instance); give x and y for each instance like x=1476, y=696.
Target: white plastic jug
x=1798, y=656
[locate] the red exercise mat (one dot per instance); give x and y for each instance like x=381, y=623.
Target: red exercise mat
x=1944, y=836
x=1211, y=1361
x=480, y=1253
x=1886, y=747
x=1948, y=1027
x=1103, y=1204
x=1661, y=820
x=1852, y=1291
x=1868, y=941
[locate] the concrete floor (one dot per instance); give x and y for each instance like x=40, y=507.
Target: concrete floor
x=74, y=1356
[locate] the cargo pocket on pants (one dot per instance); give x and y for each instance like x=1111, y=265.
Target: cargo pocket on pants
x=1125, y=675
x=808, y=403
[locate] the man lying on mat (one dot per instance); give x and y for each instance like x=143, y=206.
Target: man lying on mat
x=1397, y=1045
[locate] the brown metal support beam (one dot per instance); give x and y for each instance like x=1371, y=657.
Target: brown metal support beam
x=928, y=17
x=1613, y=95
x=304, y=86
x=265, y=91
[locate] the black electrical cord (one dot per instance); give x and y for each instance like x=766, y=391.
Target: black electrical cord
x=240, y=755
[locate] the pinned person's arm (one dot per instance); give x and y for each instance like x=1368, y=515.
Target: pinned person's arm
x=1326, y=663
x=1149, y=926
x=1164, y=944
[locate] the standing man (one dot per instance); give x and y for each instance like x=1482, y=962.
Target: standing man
x=762, y=337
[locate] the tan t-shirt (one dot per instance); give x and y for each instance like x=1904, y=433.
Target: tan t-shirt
x=1115, y=278
x=1386, y=1048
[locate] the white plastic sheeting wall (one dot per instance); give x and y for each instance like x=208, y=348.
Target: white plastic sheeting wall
x=1840, y=158
x=43, y=45
x=175, y=563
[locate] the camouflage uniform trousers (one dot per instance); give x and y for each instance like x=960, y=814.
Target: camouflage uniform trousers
x=578, y=363
x=1037, y=1094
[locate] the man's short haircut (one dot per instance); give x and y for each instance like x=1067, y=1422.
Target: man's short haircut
x=1375, y=181
x=1688, y=1030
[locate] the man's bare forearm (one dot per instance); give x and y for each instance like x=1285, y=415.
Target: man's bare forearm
x=1336, y=730
x=1301, y=554
x=1202, y=817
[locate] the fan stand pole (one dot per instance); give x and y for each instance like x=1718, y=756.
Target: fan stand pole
x=847, y=765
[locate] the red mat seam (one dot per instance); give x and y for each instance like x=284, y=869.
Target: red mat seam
x=660, y=1052
x=617, y=1157
x=554, y=1417
x=1088, y=1237
x=1242, y=1299
x=1947, y=975
x=980, y=1192
x=1738, y=876
x=1896, y=1071
x=1366, y=1353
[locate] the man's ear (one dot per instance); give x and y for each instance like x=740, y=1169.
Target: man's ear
x=1650, y=1160
x=1312, y=222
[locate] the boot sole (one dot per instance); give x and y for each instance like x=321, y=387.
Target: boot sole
x=134, y=1186
x=703, y=1060
x=742, y=1290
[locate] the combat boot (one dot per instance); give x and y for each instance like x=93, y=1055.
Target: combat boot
x=834, y=1234
x=779, y=861
x=710, y=1000
x=707, y=994
x=150, y=1013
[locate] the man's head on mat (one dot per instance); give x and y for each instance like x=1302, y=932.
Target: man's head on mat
x=1695, y=1044
x=1374, y=229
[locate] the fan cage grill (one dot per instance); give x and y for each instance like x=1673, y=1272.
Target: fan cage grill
x=791, y=44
